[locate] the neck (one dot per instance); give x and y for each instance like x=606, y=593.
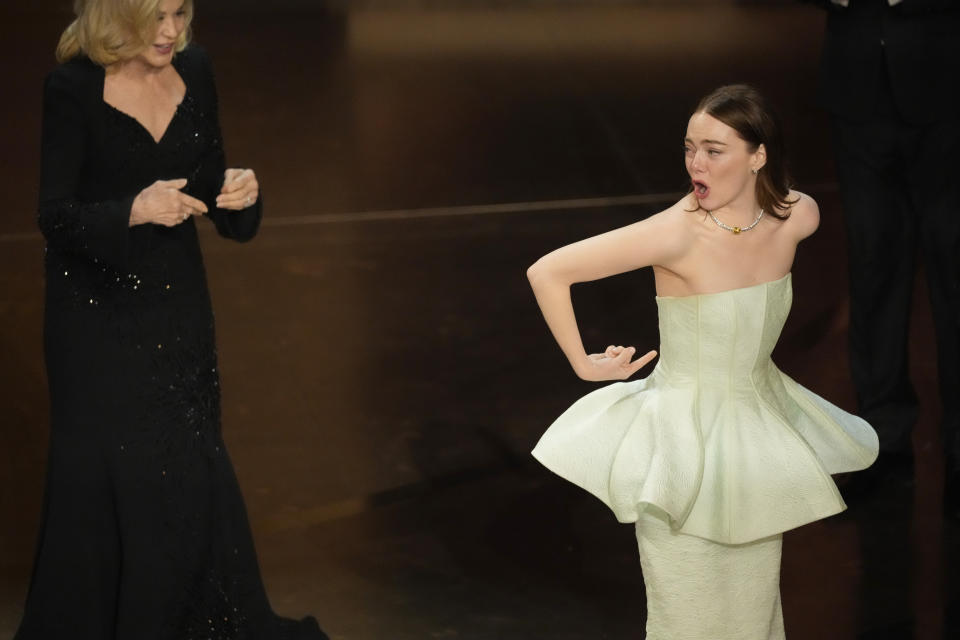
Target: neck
x=741, y=211
x=136, y=69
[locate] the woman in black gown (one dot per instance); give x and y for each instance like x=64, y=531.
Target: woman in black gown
x=144, y=532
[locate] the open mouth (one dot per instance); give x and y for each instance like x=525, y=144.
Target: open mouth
x=163, y=49
x=700, y=189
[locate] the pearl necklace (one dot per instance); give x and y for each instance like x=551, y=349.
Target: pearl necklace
x=736, y=230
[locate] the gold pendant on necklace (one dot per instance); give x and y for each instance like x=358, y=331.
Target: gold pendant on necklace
x=736, y=230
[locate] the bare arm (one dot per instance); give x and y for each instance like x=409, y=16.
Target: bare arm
x=651, y=241
x=804, y=216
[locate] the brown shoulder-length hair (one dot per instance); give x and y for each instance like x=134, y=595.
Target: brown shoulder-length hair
x=109, y=31
x=745, y=110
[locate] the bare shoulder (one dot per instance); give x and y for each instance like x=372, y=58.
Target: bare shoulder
x=675, y=219
x=672, y=227
x=804, y=214
x=659, y=238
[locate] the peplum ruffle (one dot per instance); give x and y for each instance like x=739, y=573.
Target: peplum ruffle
x=717, y=437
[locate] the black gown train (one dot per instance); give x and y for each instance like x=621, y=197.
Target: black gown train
x=144, y=532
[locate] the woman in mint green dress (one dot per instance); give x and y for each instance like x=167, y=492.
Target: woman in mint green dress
x=717, y=452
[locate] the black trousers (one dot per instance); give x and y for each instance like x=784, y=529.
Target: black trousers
x=900, y=186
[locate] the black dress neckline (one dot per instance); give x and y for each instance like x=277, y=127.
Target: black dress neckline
x=134, y=121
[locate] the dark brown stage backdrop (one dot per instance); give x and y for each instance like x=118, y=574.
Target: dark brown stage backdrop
x=385, y=369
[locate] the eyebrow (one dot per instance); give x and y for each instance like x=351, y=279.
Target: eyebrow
x=708, y=141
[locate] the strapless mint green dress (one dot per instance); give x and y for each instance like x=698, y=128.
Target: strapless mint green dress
x=716, y=444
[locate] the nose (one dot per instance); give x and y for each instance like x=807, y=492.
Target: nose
x=696, y=164
x=168, y=27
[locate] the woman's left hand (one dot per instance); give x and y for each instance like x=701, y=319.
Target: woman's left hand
x=240, y=189
x=613, y=364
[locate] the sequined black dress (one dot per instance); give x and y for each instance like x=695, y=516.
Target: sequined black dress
x=144, y=532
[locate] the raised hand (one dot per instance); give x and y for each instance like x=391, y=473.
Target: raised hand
x=164, y=203
x=613, y=364
x=240, y=189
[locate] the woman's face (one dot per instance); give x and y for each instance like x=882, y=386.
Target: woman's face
x=719, y=162
x=171, y=21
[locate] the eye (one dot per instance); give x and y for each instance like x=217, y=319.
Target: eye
x=181, y=13
x=687, y=150
x=713, y=152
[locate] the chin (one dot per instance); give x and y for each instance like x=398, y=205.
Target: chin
x=715, y=201
x=157, y=62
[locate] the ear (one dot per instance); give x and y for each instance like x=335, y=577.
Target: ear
x=759, y=158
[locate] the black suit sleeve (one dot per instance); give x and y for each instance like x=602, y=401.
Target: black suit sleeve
x=905, y=6
x=925, y=6
x=99, y=231
x=238, y=225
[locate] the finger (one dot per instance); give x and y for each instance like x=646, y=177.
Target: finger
x=239, y=200
x=184, y=214
x=178, y=183
x=623, y=358
x=191, y=204
x=233, y=206
x=233, y=183
x=242, y=192
x=642, y=361
x=240, y=195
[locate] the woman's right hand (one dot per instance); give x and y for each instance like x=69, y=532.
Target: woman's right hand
x=613, y=364
x=164, y=203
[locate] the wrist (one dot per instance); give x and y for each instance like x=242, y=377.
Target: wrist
x=582, y=366
x=135, y=213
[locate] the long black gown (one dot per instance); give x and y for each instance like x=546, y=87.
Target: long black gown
x=144, y=532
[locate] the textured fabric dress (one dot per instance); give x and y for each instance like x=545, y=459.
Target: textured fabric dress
x=713, y=455
x=144, y=533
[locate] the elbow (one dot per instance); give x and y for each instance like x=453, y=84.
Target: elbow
x=536, y=272
x=532, y=271
x=49, y=221
x=547, y=273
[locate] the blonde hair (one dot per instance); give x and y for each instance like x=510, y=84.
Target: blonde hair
x=109, y=31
